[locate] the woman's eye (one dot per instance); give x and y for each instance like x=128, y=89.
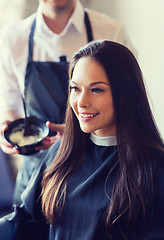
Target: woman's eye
x=76, y=89
x=97, y=90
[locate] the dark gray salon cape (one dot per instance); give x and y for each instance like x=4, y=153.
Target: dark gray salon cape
x=84, y=213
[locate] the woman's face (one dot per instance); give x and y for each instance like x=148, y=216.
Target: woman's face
x=91, y=98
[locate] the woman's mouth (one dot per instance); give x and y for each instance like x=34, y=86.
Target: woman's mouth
x=87, y=116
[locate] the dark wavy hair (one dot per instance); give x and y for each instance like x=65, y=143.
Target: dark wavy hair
x=136, y=132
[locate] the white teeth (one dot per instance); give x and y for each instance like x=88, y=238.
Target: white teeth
x=88, y=115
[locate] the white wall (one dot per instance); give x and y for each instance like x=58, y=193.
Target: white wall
x=13, y=11
x=144, y=21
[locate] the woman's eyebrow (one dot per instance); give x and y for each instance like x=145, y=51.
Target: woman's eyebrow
x=94, y=83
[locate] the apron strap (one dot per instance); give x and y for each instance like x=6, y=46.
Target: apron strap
x=30, y=53
x=88, y=27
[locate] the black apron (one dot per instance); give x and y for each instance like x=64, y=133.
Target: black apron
x=46, y=83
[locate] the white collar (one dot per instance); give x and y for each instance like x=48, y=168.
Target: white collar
x=103, y=141
x=77, y=17
x=76, y=20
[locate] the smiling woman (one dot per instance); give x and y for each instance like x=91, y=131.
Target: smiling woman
x=114, y=157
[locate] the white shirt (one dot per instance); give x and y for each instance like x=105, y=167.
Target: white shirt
x=48, y=46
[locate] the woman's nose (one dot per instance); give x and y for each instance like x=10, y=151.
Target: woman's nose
x=84, y=100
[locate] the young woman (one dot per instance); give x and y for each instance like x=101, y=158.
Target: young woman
x=106, y=177
x=106, y=181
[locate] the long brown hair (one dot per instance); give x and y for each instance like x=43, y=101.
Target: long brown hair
x=136, y=132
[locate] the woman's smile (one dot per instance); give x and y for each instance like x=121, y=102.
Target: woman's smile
x=87, y=116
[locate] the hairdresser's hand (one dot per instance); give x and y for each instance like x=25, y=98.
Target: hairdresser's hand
x=5, y=145
x=48, y=141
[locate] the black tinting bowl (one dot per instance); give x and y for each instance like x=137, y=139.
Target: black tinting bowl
x=19, y=125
